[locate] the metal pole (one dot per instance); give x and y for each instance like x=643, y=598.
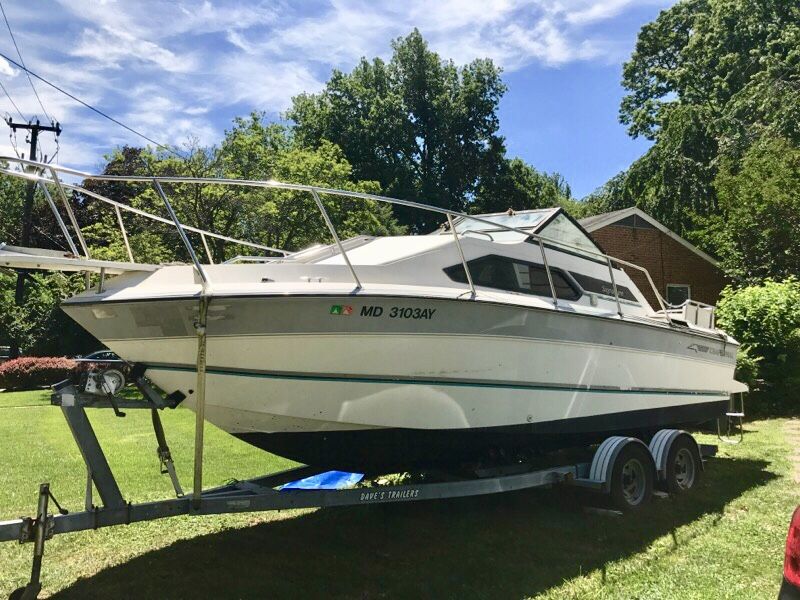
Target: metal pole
x=335, y=236
x=208, y=252
x=200, y=402
x=124, y=233
x=614, y=285
x=34, y=586
x=461, y=253
x=549, y=275
x=73, y=248
x=71, y=214
x=657, y=294
x=181, y=232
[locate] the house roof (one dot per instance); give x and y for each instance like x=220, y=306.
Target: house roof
x=596, y=222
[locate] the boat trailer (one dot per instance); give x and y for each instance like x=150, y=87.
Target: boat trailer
x=265, y=493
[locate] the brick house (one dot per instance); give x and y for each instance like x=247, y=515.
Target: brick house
x=679, y=269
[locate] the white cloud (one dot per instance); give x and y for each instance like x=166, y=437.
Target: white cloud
x=599, y=10
x=111, y=47
x=261, y=83
x=6, y=68
x=175, y=68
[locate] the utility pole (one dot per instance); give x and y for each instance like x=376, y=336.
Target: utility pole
x=27, y=211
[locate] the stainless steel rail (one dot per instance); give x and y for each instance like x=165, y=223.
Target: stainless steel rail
x=315, y=192
x=136, y=211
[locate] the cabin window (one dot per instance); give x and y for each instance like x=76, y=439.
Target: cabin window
x=678, y=293
x=514, y=276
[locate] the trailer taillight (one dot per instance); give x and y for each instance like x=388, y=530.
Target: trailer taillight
x=791, y=565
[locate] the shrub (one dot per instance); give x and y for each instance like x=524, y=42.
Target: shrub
x=30, y=372
x=765, y=319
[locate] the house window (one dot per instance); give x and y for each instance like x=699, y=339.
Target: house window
x=514, y=276
x=678, y=293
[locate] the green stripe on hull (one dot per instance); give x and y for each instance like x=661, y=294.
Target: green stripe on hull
x=434, y=382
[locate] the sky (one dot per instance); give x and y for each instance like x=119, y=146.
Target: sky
x=179, y=70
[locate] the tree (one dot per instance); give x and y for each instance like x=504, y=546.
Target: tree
x=519, y=186
x=425, y=129
x=759, y=225
x=720, y=55
x=39, y=326
x=252, y=149
x=707, y=80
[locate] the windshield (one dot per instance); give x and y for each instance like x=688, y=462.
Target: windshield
x=526, y=220
x=561, y=229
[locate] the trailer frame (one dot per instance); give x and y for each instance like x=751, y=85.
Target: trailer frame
x=264, y=493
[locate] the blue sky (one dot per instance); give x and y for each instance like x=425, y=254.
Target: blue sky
x=176, y=70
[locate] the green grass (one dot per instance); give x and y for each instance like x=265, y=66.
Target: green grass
x=723, y=540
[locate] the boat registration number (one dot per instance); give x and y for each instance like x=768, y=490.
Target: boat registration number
x=392, y=312
x=398, y=312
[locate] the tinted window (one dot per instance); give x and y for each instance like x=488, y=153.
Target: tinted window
x=600, y=286
x=514, y=276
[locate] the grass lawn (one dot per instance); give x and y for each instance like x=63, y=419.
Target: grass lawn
x=724, y=540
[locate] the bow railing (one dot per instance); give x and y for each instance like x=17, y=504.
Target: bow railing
x=48, y=175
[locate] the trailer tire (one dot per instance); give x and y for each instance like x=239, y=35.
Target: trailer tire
x=633, y=477
x=683, y=466
x=17, y=594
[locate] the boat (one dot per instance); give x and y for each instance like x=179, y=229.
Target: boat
x=493, y=337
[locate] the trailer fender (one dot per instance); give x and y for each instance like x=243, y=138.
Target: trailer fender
x=605, y=457
x=661, y=444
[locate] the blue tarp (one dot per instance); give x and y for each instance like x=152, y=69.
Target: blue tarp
x=330, y=480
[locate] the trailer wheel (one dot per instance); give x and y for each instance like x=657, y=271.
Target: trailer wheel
x=631, y=485
x=683, y=465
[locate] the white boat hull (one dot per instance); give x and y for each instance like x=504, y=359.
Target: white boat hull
x=323, y=395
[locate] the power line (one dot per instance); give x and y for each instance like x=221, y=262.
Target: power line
x=92, y=108
x=14, y=104
x=13, y=39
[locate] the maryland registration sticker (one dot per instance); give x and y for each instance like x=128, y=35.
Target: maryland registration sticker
x=339, y=309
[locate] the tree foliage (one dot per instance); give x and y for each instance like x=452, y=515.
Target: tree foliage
x=707, y=80
x=39, y=326
x=255, y=150
x=757, y=232
x=765, y=319
x=424, y=128
x=518, y=185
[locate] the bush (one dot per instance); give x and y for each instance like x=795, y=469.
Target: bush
x=765, y=319
x=32, y=371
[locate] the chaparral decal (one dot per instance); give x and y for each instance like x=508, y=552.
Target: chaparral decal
x=701, y=348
